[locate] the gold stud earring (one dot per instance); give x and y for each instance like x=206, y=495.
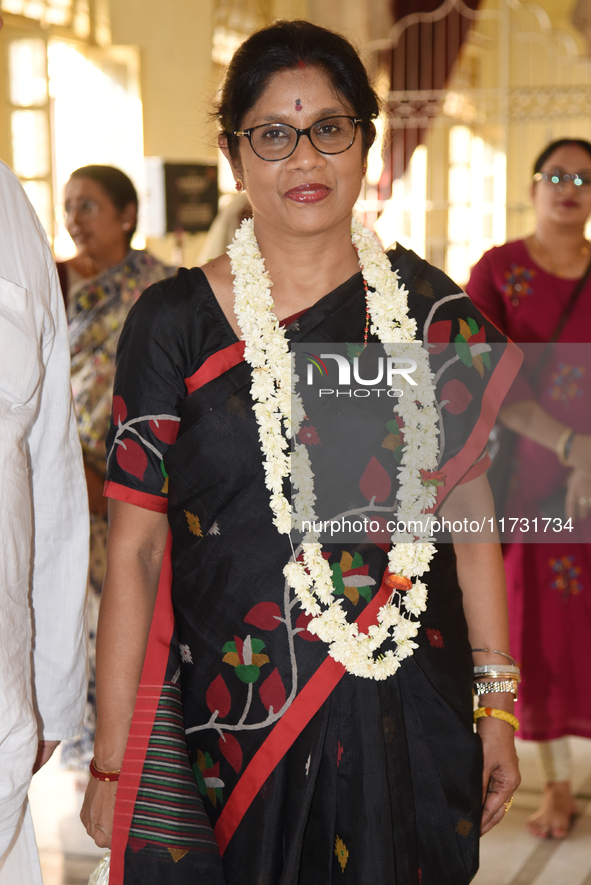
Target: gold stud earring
x=239, y=186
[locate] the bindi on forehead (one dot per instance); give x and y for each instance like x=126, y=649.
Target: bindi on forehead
x=298, y=104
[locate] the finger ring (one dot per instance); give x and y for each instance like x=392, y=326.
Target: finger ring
x=508, y=804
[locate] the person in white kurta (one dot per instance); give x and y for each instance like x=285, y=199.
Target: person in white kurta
x=43, y=527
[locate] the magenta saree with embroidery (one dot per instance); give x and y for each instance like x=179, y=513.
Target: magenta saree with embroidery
x=253, y=757
x=549, y=585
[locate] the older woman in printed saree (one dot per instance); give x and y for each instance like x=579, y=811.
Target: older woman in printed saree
x=100, y=284
x=245, y=737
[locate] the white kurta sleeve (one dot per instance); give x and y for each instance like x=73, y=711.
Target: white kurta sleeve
x=43, y=518
x=60, y=558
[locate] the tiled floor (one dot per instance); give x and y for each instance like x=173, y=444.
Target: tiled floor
x=509, y=855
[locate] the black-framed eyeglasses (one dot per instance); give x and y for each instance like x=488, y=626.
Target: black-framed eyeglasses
x=278, y=141
x=557, y=178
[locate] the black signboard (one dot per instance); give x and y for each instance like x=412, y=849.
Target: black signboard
x=191, y=196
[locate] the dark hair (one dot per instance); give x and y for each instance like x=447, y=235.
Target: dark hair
x=554, y=145
x=282, y=46
x=115, y=183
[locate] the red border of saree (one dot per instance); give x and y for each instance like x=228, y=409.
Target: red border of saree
x=216, y=365
x=133, y=496
x=225, y=359
x=144, y=714
x=496, y=389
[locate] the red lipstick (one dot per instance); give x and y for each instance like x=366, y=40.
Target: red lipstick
x=308, y=193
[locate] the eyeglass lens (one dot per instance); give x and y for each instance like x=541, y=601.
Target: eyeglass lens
x=84, y=207
x=557, y=178
x=276, y=141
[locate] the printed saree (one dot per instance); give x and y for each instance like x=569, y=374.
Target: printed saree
x=253, y=758
x=96, y=313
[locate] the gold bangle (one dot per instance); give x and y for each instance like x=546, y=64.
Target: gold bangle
x=497, y=714
x=563, y=439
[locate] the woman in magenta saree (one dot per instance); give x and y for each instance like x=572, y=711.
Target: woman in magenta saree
x=525, y=288
x=252, y=755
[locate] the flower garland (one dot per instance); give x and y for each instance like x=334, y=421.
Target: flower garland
x=278, y=407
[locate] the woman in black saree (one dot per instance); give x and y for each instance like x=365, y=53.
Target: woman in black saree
x=249, y=754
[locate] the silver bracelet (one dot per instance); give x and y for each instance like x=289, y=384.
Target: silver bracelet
x=499, y=671
x=495, y=652
x=493, y=687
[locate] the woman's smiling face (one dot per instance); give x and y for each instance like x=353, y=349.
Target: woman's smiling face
x=309, y=191
x=97, y=227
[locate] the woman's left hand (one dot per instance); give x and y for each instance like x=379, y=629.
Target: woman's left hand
x=501, y=775
x=97, y=503
x=577, y=504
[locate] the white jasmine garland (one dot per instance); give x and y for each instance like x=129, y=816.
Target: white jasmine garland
x=277, y=406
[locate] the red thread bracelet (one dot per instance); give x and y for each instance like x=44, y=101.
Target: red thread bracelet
x=107, y=776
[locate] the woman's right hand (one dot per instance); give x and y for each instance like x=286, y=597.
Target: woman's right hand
x=98, y=810
x=135, y=550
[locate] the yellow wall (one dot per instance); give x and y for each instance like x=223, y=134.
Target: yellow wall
x=559, y=12
x=179, y=80
x=178, y=77
x=290, y=9
x=178, y=85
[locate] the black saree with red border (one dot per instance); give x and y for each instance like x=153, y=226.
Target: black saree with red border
x=253, y=757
